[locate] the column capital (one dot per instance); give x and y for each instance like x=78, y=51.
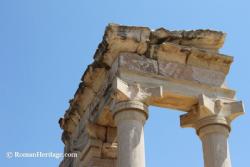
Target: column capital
x=212, y=112
x=129, y=106
x=203, y=131
x=125, y=91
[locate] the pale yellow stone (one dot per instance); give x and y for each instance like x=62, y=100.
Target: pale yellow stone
x=204, y=39
x=84, y=98
x=111, y=134
x=96, y=131
x=94, y=78
x=172, y=52
x=109, y=150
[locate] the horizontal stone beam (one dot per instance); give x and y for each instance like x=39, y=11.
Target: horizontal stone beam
x=180, y=89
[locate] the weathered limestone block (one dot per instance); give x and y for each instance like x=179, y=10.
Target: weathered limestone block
x=191, y=73
x=67, y=162
x=137, y=63
x=84, y=133
x=85, y=97
x=67, y=124
x=94, y=77
x=111, y=134
x=109, y=150
x=204, y=39
x=192, y=56
x=90, y=157
x=172, y=69
x=98, y=110
x=66, y=139
x=122, y=39
x=170, y=52
x=105, y=118
x=96, y=131
x=100, y=162
x=92, y=149
x=73, y=115
x=95, y=149
x=209, y=60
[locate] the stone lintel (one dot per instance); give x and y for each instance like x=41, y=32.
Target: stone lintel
x=175, y=70
x=180, y=91
x=175, y=95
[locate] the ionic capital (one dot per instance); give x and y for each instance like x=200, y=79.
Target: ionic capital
x=212, y=112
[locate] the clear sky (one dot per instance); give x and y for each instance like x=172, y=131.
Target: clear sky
x=46, y=45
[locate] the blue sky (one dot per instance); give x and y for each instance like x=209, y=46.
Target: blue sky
x=46, y=45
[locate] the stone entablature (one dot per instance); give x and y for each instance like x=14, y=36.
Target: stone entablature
x=135, y=67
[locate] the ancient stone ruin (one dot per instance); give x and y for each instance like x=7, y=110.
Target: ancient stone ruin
x=135, y=67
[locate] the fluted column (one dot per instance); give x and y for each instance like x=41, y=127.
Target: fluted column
x=212, y=121
x=130, y=117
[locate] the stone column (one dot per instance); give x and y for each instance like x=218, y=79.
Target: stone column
x=212, y=121
x=130, y=117
x=215, y=145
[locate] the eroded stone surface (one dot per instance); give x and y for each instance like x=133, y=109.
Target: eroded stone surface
x=191, y=73
x=204, y=39
x=138, y=63
x=121, y=39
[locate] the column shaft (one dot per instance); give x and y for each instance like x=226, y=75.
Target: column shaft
x=130, y=135
x=215, y=146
